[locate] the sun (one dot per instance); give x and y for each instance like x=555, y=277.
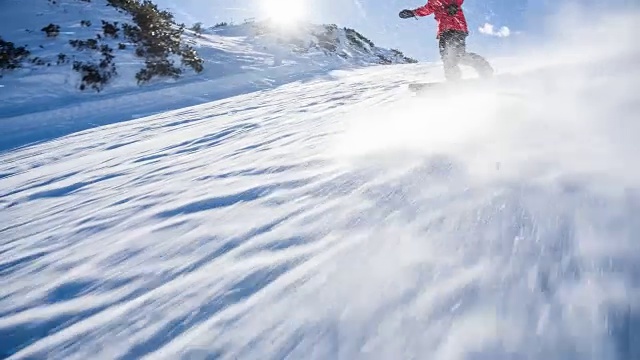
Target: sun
x=284, y=12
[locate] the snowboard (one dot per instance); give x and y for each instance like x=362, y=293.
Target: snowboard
x=501, y=83
x=422, y=86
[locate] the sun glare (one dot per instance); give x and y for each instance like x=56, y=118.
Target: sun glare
x=284, y=12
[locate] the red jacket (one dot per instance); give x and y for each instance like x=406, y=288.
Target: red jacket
x=446, y=21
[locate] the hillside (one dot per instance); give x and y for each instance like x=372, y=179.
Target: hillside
x=270, y=208
x=86, y=44
x=54, y=49
x=334, y=218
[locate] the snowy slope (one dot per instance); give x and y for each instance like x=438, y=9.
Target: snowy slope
x=338, y=218
x=41, y=102
x=21, y=22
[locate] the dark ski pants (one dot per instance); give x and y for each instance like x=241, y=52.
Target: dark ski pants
x=453, y=51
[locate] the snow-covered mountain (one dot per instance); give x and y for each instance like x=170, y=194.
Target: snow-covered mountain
x=331, y=215
x=304, y=43
x=105, y=34
x=113, y=45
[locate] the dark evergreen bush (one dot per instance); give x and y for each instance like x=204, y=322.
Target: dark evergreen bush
x=110, y=29
x=51, y=30
x=156, y=37
x=11, y=56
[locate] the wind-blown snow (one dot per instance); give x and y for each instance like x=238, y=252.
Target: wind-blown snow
x=338, y=218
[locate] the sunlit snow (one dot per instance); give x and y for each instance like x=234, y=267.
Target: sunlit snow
x=341, y=217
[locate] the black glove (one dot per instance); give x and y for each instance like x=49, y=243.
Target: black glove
x=405, y=14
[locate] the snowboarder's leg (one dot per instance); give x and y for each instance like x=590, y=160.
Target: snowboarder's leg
x=452, y=47
x=480, y=64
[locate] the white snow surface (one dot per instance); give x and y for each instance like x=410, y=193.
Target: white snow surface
x=237, y=59
x=339, y=217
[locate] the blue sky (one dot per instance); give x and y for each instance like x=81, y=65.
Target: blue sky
x=378, y=19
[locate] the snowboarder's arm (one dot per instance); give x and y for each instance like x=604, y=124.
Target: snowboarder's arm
x=428, y=9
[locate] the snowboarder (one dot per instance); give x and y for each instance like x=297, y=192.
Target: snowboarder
x=452, y=34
